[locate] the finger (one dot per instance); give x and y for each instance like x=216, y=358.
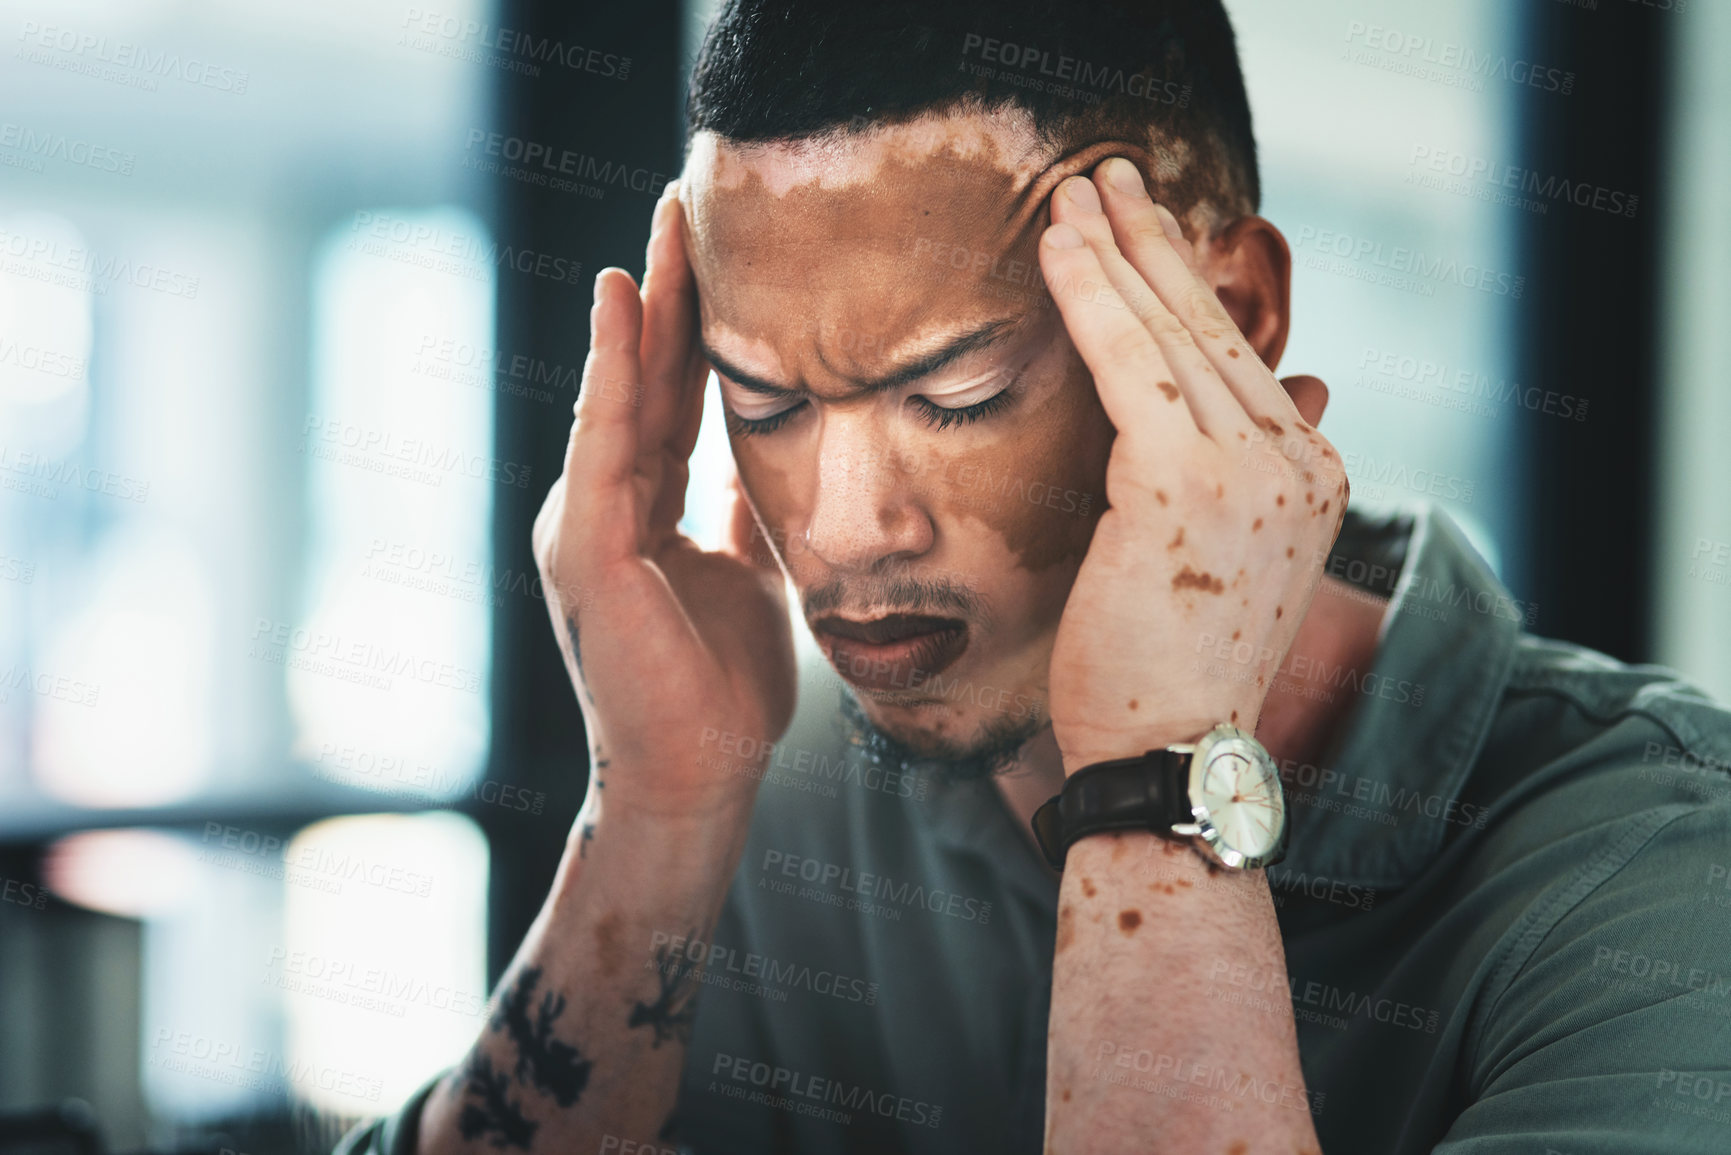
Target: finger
x=669, y=327
x=1150, y=239
x=601, y=457
x=1131, y=375
x=1218, y=413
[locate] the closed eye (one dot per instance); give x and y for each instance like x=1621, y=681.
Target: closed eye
x=933, y=414
x=740, y=426
x=942, y=416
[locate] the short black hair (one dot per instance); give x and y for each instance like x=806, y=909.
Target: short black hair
x=1086, y=70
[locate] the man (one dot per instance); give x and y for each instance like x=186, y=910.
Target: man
x=996, y=360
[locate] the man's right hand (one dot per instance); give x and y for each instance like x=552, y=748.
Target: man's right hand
x=587, y=1034
x=664, y=641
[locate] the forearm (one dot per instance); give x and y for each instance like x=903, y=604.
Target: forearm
x=588, y=1030
x=1142, y=1055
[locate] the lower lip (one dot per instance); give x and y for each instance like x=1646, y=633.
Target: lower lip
x=900, y=665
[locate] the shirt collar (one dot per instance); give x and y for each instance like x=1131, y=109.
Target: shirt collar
x=1376, y=807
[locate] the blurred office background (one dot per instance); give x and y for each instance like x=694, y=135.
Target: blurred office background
x=287, y=355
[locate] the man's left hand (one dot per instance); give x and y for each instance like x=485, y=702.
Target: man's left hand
x=1223, y=499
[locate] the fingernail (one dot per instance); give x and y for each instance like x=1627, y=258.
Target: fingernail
x=1168, y=222
x=597, y=288
x=1124, y=177
x=1082, y=194
x=1063, y=236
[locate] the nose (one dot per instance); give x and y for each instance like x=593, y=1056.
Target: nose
x=867, y=515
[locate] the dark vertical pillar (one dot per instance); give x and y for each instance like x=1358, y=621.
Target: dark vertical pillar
x=1587, y=325
x=600, y=114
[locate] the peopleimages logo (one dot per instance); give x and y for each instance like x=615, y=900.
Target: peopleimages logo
x=1367, y=259
x=1488, y=179
x=875, y=886
x=551, y=160
x=759, y=758
x=42, y=144
x=461, y=38
x=1320, y=782
x=753, y=973
x=122, y=61
x=1065, y=70
x=799, y=1092
x=1437, y=376
x=42, y=258
x=254, y=1068
x=1426, y=58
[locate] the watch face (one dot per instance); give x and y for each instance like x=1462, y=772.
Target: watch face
x=1235, y=783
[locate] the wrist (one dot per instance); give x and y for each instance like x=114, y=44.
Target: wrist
x=659, y=849
x=659, y=817
x=1079, y=751
x=640, y=788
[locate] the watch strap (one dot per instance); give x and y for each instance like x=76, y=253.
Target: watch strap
x=1145, y=792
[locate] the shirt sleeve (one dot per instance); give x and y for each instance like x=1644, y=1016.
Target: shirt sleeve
x=1614, y=1035
x=394, y=1134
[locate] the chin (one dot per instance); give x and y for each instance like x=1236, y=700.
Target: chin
x=929, y=727
x=949, y=740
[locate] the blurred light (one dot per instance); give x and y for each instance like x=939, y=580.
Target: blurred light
x=384, y=975
x=708, y=496
x=123, y=714
x=390, y=661
x=45, y=339
x=131, y=873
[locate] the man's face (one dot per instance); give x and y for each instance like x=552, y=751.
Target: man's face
x=910, y=421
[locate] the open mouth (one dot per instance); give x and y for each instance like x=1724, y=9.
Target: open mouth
x=894, y=652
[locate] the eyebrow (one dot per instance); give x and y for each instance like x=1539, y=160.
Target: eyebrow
x=985, y=336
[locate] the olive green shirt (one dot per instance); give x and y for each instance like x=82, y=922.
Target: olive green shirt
x=1506, y=907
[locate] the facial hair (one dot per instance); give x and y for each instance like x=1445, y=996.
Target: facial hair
x=994, y=751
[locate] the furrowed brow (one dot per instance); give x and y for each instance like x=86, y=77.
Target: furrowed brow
x=987, y=335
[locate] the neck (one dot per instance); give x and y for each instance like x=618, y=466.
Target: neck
x=1297, y=723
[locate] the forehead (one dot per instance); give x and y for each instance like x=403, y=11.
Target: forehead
x=866, y=241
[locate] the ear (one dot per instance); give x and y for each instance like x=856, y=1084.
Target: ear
x=1250, y=268
x=1309, y=395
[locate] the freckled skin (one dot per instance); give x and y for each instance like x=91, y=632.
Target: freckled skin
x=1189, y=579
x=817, y=283
x=1129, y=920
x=609, y=951
x=1169, y=389
x=1066, y=928
x=1088, y=887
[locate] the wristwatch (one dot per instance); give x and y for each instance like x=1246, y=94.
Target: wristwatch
x=1221, y=793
